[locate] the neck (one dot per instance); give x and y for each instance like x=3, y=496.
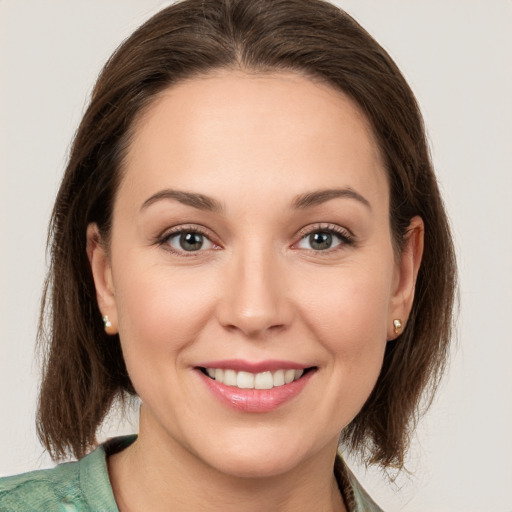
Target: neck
x=155, y=473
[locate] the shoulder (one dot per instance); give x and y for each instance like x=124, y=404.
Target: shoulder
x=47, y=489
x=356, y=498
x=363, y=500
x=79, y=486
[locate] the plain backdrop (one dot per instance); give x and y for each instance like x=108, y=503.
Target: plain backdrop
x=457, y=56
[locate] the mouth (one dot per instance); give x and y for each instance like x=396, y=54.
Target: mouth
x=255, y=387
x=261, y=380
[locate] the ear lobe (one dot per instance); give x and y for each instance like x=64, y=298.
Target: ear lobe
x=102, y=275
x=406, y=273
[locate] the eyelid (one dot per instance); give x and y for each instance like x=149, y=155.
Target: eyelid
x=344, y=234
x=324, y=226
x=163, y=239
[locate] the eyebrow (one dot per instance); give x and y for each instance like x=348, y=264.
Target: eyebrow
x=300, y=202
x=318, y=197
x=199, y=201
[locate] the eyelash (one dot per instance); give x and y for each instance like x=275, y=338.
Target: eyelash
x=164, y=240
x=346, y=238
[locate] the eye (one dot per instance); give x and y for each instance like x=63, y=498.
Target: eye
x=188, y=240
x=323, y=239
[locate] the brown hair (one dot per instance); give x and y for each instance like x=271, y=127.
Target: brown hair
x=84, y=370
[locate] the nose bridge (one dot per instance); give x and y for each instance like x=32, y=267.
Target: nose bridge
x=254, y=301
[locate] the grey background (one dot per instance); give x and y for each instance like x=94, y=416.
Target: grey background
x=457, y=56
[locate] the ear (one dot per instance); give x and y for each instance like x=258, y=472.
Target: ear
x=102, y=275
x=406, y=272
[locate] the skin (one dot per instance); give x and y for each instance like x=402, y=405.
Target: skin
x=258, y=289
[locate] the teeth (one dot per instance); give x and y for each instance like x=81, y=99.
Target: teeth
x=230, y=378
x=279, y=378
x=264, y=381
x=289, y=375
x=244, y=380
x=247, y=380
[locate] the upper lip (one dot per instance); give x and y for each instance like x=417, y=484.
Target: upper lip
x=241, y=365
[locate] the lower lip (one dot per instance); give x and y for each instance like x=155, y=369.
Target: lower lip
x=255, y=400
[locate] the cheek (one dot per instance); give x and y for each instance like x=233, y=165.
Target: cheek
x=351, y=307
x=160, y=312
x=349, y=317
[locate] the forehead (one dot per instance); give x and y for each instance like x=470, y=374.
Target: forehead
x=237, y=131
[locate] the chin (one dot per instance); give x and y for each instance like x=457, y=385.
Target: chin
x=256, y=458
x=243, y=466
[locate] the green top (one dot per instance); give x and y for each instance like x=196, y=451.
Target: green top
x=84, y=486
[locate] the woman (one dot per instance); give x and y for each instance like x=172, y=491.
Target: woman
x=250, y=238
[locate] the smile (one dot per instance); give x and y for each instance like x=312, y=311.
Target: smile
x=255, y=387
x=248, y=380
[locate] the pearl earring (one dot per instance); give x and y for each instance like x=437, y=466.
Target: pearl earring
x=107, y=324
x=397, y=324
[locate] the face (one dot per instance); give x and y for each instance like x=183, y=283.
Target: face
x=251, y=273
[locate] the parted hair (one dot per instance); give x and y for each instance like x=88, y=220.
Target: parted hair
x=83, y=369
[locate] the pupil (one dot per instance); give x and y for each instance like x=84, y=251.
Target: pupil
x=191, y=241
x=320, y=240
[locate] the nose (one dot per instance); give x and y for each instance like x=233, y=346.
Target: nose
x=254, y=300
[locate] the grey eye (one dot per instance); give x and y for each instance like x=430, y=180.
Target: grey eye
x=189, y=241
x=320, y=241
